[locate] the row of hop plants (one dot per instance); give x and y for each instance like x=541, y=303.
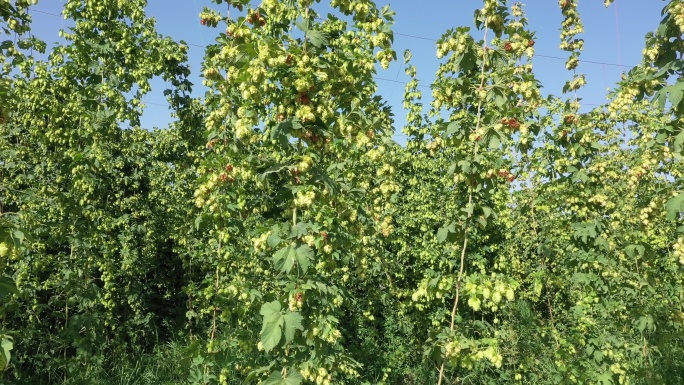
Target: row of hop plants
x=279, y=235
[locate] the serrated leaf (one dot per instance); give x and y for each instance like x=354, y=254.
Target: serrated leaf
x=271, y=329
x=442, y=234
x=486, y=211
x=598, y=356
x=679, y=143
x=270, y=310
x=584, y=231
x=304, y=257
x=273, y=169
x=271, y=334
x=676, y=94
x=645, y=323
x=635, y=250
x=452, y=128
x=660, y=97
x=606, y=378
x=6, y=347
x=273, y=240
x=674, y=206
x=7, y=286
x=303, y=26
x=466, y=166
x=293, y=322
x=292, y=377
x=493, y=139
x=318, y=39
x=18, y=237
x=284, y=259
x=451, y=169
x=468, y=61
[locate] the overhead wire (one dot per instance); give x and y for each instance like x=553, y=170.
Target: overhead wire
x=430, y=39
x=535, y=55
x=397, y=34
x=617, y=33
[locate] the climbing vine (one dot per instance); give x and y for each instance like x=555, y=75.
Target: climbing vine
x=276, y=234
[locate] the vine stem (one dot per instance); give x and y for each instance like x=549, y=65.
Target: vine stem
x=216, y=289
x=461, y=270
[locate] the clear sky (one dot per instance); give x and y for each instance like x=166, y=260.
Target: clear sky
x=614, y=38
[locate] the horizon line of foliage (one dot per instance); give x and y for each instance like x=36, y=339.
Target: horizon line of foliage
x=276, y=234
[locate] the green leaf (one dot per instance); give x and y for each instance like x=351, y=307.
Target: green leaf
x=679, y=143
x=304, y=257
x=6, y=346
x=466, y=166
x=318, y=39
x=304, y=25
x=273, y=240
x=676, y=94
x=660, y=97
x=644, y=323
x=273, y=169
x=493, y=139
x=284, y=259
x=468, y=61
x=580, y=175
x=598, y=356
x=292, y=377
x=486, y=211
x=451, y=169
x=674, y=206
x=300, y=230
x=635, y=250
x=452, y=128
x=442, y=234
x=7, y=286
x=271, y=334
x=18, y=237
x=282, y=131
x=275, y=323
x=293, y=322
x=271, y=330
x=270, y=310
x=584, y=231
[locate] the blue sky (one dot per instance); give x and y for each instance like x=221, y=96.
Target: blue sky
x=614, y=38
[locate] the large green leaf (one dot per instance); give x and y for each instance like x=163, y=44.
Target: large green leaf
x=284, y=258
x=584, y=231
x=7, y=286
x=318, y=39
x=679, y=143
x=442, y=234
x=293, y=322
x=273, y=240
x=6, y=346
x=270, y=310
x=304, y=257
x=292, y=377
x=275, y=324
x=676, y=94
x=674, y=206
x=271, y=330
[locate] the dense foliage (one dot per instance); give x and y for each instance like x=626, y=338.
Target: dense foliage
x=276, y=234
